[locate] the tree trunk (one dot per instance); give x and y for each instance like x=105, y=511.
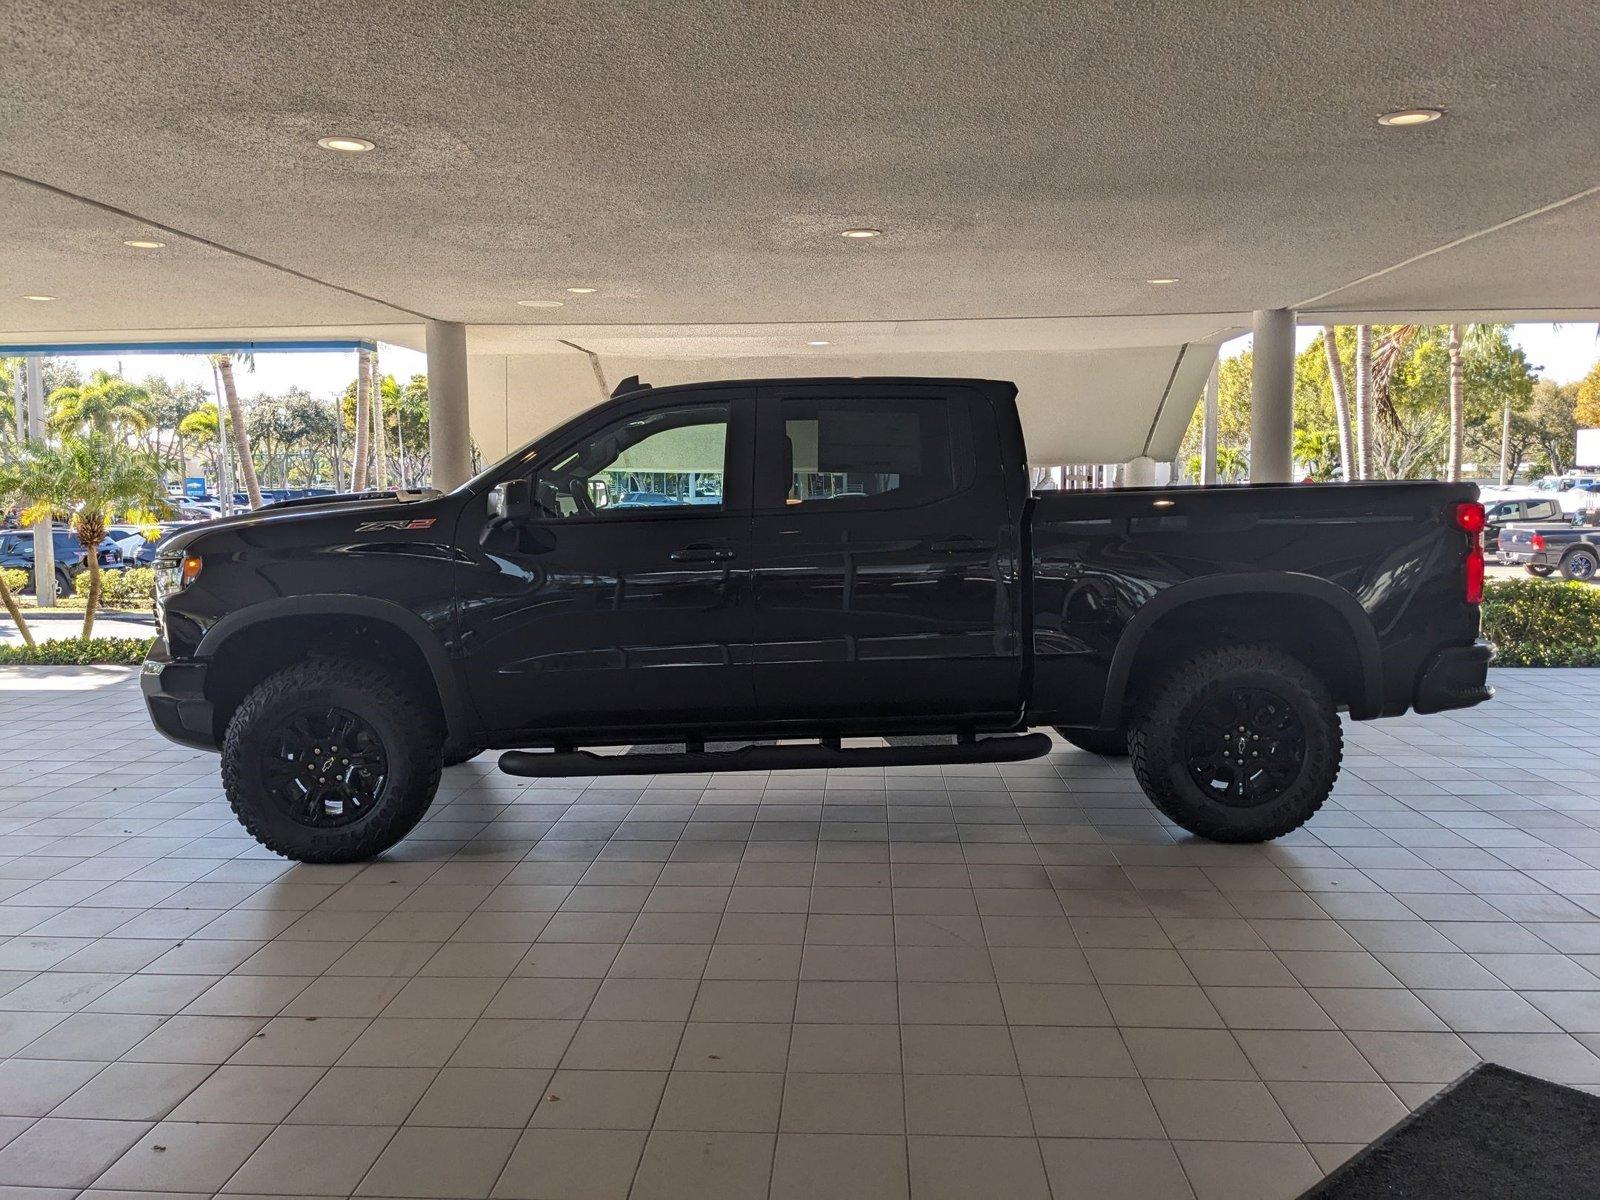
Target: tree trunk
x=379, y=441
x=13, y=611
x=94, y=591
x=1507, y=470
x=1341, y=401
x=241, y=436
x=1363, y=414
x=358, y=482
x=1452, y=466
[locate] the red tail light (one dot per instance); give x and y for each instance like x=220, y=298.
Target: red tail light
x=1538, y=542
x=1470, y=520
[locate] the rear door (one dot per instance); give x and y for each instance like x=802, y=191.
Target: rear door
x=883, y=555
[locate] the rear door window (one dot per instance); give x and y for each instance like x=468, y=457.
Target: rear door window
x=840, y=451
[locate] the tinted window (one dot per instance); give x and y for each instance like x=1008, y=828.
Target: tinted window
x=667, y=459
x=1544, y=510
x=844, y=450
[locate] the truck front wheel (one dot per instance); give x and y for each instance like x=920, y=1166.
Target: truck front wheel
x=1237, y=743
x=331, y=760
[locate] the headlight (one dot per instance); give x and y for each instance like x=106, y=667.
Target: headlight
x=174, y=572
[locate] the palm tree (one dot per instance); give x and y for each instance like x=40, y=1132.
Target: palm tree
x=1341, y=401
x=90, y=481
x=358, y=481
x=11, y=493
x=241, y=436
x=379, y=441
x=1458, y=407
x=1363, y=413
x=107, y=403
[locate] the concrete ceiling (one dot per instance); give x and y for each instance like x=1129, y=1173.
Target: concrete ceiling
x=695, y=160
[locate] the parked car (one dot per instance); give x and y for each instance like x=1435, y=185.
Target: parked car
x=339, y=653
x=1574, y=550
x=16, y=552
x=1499, y=513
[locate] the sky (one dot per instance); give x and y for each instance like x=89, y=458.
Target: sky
x=1563, y=353
x=1560, y=352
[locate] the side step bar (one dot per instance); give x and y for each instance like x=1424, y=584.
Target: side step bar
x=557, y=764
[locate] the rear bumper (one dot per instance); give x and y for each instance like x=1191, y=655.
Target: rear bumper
x=174, y=693
x=1455, y=677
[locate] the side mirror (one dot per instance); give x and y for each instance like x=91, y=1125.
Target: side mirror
x=511, y=500
x=599, y=493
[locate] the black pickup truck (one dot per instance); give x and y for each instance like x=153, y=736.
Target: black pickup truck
x=822, y=559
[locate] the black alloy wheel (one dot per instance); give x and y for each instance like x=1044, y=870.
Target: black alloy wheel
x=1243, y=746
x=1579, y=565
x=325, y=766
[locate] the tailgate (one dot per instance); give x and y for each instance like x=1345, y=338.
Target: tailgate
x=1516, y=541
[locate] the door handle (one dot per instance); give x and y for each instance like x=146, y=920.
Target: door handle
x=960, y=545
x=701, y=552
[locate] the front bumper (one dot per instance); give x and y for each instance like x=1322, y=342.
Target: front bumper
x=174, y=692
x=1455, y=677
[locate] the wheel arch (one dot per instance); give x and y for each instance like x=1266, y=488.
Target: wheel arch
x=251, y=642
x=1268, y=603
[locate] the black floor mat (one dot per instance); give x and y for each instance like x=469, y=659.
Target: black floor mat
x=1494, y=1134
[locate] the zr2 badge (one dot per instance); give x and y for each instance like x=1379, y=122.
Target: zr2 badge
x=406, y=526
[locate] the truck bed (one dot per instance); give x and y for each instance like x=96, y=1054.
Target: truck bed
x=1124, y=579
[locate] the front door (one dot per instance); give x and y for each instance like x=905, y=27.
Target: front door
x=622, y=604
x=884, y=555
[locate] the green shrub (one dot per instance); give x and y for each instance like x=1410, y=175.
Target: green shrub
x=133, y=588
x=1540, y=623
x=16, y=579
x=75, y=652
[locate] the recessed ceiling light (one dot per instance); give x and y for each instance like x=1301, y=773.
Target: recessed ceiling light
x=1169, y=279
x=1410, y=116
x=819, y=343
x=862, y=233
x=345, y=145
x=540, y=303
x=38, y=297
x=581, y=291
x=143, y=244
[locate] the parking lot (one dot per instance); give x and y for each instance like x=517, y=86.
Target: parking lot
x=1015, y=981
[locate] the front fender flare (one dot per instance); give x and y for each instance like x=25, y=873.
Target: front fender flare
x=458, y=716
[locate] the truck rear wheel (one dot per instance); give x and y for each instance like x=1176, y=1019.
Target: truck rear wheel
x=331, y=760
x=1580, y=564
x=1237, y=743
x=1110, y=743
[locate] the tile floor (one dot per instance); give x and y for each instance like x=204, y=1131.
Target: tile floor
x=976, y=982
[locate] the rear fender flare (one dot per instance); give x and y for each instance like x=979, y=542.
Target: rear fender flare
x=1254, y=584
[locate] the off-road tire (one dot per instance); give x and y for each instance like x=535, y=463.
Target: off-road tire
x=406, y=726
x=1156, y=742
x=1580, y=564
x=1108, y=743
x=1539, y=569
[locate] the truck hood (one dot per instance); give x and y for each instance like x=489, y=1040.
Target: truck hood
x=296, y=512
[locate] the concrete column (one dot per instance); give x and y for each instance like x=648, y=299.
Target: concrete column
x=1139, y=472
x=1208, y=428
x=449, y=435
x=1272, y=396
x=44, y=542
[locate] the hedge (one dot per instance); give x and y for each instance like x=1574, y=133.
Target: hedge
x=75, y=652
x=133, y=588
x=17, y=579
x=1541, y=623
